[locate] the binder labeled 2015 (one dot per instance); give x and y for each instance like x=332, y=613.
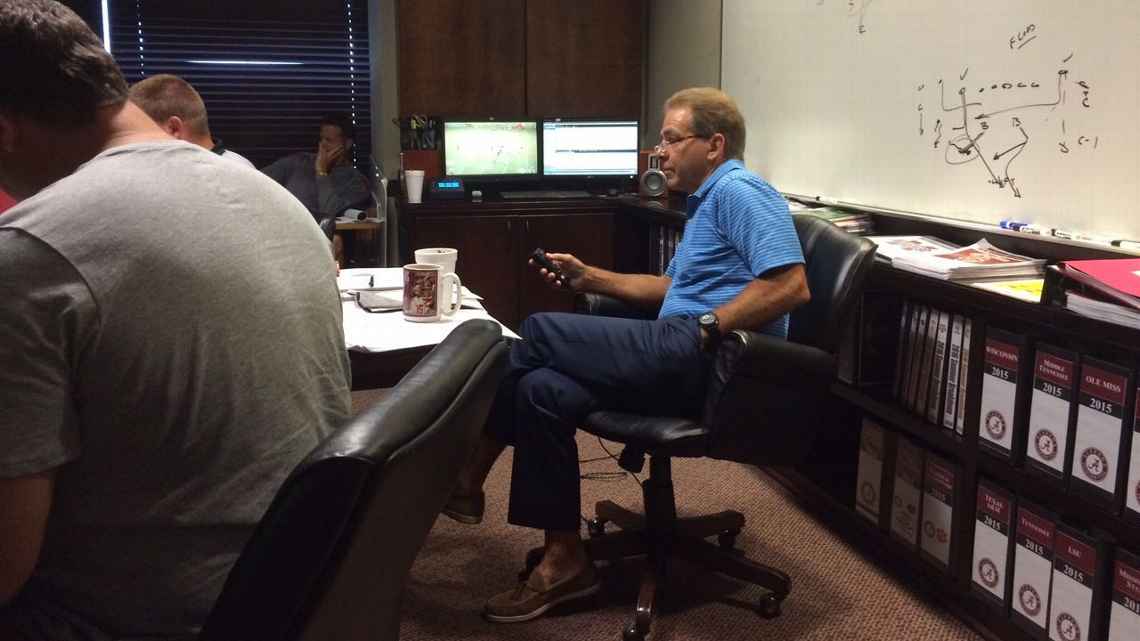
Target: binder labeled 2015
x=869, y=481
x=1074, y=614
x=1124, y=618
x=992, y=540
x=1032, y=569
x=1101, y=435
x=939, y=490
x=1132, y=487
x=1051, y=412
x=999, y=420
x=906, y=505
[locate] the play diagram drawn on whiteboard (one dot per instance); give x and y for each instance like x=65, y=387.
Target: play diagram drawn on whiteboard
x=856, y=9
x=987, y=125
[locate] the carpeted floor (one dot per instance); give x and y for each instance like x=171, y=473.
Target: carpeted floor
x=836, y=593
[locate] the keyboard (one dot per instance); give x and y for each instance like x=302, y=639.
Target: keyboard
x=545, y=194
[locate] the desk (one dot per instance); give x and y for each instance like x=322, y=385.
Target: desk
x=369, y=230
x=383, y=347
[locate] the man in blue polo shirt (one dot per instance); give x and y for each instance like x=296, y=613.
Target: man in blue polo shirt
x=739, y=266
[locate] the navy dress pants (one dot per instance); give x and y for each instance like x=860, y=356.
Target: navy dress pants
x=569, y=365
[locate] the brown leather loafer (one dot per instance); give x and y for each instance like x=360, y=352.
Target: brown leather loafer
x=527, y=601
x=465, y=509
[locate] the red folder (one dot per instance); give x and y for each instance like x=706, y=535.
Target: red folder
x=1117, y=279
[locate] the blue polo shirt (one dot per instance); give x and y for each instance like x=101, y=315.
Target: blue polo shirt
x=739, y=228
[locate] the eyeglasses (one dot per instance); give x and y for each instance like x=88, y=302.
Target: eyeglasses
x=666, y=144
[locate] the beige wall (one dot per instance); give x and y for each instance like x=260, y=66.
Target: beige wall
x=382, y=40
x=683, y=51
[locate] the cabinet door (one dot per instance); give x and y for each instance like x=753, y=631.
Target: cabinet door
x=461, y=57
x=487, y=263
x=583, y=58
x=587, y=236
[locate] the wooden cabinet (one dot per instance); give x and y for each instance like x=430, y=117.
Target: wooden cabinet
x=511, y=58
x=584, y=58
x=487, y=263
x=461, y=57
x=588, y=236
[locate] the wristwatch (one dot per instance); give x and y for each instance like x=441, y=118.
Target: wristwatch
x=711, y=324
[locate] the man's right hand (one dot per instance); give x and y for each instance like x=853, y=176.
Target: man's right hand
x=573, y=271
x=327, y=158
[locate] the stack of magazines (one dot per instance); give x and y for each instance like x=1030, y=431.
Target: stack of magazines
x=854, y=222
x=938, y=259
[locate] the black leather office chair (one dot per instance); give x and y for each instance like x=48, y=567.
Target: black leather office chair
x=330, y=558
x=764, y=400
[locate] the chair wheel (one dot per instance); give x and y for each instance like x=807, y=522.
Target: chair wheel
x=726, y=540
x=631, y=633
x=769, y=607
x=596, y=527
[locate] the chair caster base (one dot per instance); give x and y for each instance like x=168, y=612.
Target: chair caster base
x=632, y=633
x=769, y=606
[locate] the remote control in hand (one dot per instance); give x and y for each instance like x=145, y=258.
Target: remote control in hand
x=540, y=259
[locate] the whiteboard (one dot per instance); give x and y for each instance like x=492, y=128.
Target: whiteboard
x=978, y=110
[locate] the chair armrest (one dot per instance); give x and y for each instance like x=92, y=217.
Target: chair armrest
x=602, y=305
x=771, y=360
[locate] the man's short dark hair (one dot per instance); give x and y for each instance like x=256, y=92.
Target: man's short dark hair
x=342, y=120
x=55, y=69
x=164, y=95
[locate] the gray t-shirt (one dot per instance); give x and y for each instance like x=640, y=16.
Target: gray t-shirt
x=172, y=346
x=327, y=195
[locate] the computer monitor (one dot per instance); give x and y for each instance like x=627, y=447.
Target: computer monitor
x=589, y=147
x=490, y=147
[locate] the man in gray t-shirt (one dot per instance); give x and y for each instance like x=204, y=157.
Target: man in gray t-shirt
x=325, y=182
x=172, y=346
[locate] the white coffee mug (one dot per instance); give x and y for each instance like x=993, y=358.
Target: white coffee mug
x=445, y=257
x=425, y=289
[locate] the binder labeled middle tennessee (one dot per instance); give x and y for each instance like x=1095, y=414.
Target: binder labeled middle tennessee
x=1051, y=411
x=1100, y=431
x=993, y=518
x=999, y=420
x=1124, y=618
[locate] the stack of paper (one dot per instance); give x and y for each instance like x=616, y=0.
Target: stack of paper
x=853, y=222
x=892, y=247
x=980, y=260
x=1100, y=310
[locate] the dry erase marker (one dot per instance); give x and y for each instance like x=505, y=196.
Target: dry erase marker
x=1133, y=245
x=1034, y=229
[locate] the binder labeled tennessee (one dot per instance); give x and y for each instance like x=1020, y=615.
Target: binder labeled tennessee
x=939, y=487
x=1101, y=435
x=1124, y=617
x=1052, y=411
x=1032, y=569
x=1132, y=487
x=1003, y=386
x=992, y=540
x=1078, y=563
x=869, y=480
x=906, y=505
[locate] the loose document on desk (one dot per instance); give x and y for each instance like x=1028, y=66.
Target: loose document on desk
x=385, y=332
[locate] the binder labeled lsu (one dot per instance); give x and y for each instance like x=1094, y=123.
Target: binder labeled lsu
x=1101, y=432
x=1079, y=565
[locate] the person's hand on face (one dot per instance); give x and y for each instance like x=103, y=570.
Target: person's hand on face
x=328, y=156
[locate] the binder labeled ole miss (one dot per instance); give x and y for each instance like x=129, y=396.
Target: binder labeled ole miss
x=1032, y=569
x=1051, y=411
x=1100, y=431
x=994, y=515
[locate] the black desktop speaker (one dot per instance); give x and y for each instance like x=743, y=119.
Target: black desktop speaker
x=652, y=183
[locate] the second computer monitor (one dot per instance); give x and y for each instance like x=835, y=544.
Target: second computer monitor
x=582, y=147
x=490, y=148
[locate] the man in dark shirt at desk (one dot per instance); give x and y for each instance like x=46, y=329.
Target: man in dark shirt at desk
x=325, y=182
x=740, y=266
x=170, y=352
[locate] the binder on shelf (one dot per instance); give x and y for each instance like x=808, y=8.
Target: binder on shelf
x=926, y=370
x=938, y=370
x=1004, y=387
x=939, y=490
x=1124, y=616
x=1132, y=486
x=870, y=481
x=1032, y=569
x=867, y=351
x=966, y=384
x=901, y=350
x=906, y=504
x=1101, y=432
x=993, y=541
x=1052, y=412
x=953, y=369
x=917, y=345
x=1075, y=605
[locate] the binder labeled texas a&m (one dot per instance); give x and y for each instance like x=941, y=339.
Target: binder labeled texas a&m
x=1132, y=487
x=1124, y=618
x=939, y=489
x=1101, y=435
x=1004, y=386
x=1075, y=612
x=1052, y=411
x=1032, y=569
x=992, y=541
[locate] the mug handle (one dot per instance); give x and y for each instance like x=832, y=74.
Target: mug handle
x=453, y=307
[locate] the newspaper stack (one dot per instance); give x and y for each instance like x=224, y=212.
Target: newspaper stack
x=938, y=259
